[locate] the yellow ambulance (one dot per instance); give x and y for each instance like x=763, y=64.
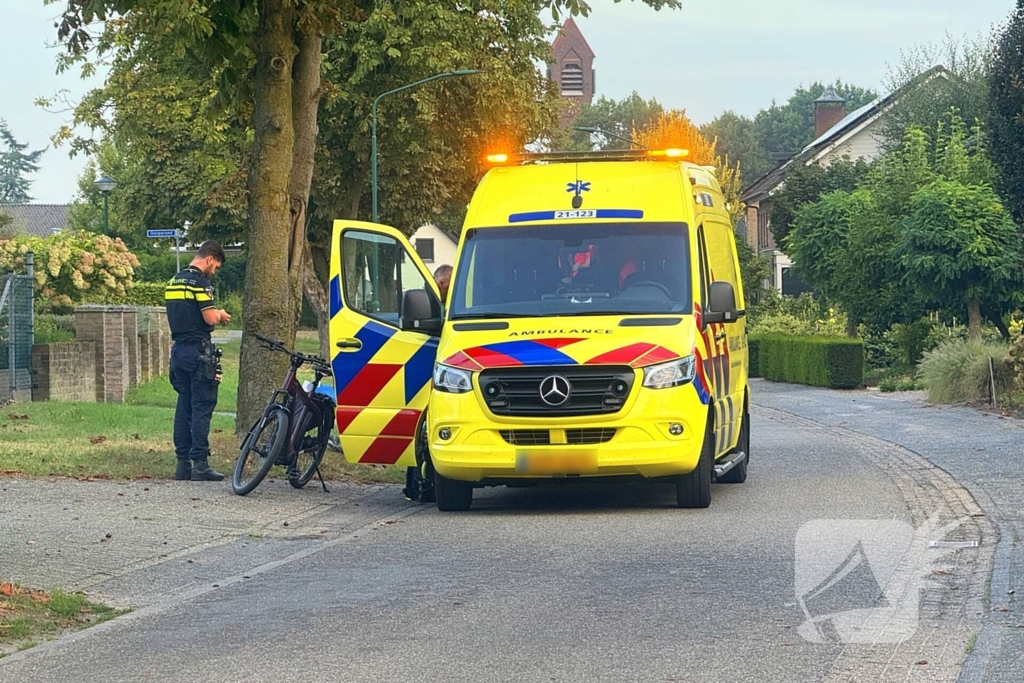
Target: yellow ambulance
x=594, y=328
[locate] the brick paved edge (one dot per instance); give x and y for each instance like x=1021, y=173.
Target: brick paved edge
x=953, y=606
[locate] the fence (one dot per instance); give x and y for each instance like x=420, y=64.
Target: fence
x=16, y=333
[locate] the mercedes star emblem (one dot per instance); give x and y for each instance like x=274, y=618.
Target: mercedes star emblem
x=554, y=390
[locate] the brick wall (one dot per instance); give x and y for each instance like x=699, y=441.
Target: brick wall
x=126, y=346
x=64, y=372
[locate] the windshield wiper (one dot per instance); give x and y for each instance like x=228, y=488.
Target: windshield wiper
x=494, y=316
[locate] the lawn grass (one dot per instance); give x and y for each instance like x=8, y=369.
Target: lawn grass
x=29, y=616
x=99, y=440
x=133, y=441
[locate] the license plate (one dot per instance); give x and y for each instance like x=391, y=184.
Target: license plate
x=556, y=462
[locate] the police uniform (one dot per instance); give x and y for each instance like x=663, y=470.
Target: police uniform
x=193, y=371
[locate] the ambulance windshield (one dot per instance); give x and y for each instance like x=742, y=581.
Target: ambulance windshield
x=573, y=269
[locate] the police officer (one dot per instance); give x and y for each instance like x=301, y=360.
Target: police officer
x=195, y=370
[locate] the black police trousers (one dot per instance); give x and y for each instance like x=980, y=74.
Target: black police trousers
x=197, y=398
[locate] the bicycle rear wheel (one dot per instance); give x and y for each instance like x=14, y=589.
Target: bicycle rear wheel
x=308, y=460
x=259, y=450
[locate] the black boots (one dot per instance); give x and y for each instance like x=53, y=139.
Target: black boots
x=184, y=470
x=201, y=471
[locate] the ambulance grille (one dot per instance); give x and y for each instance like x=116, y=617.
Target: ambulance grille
x=589, y=435
x=573, y=437
x=526, y=437
x=595, y=390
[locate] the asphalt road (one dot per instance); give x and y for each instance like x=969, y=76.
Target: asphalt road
x=587, y=583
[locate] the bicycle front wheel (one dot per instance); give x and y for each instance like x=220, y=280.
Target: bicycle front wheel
x=260, y=449
x=308, y=459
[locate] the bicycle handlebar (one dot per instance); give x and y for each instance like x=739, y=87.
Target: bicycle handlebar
x=275, y=345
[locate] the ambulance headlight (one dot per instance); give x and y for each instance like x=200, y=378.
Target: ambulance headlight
x=671, y=374
x=452, y=380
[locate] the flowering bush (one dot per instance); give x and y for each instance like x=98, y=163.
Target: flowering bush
x=72, y=267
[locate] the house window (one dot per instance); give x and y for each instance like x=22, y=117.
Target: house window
x=425, y=248
x=572, y=80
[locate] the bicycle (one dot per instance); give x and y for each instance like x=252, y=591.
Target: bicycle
x=281, y=436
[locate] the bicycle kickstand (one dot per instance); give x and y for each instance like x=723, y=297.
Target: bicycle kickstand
x=322, y=483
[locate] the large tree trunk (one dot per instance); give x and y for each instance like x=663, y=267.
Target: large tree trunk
x=269, y=299
x=851, y=327
x=974, y=319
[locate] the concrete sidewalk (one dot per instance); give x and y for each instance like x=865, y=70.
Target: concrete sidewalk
x=133, y=543
x=981, y=451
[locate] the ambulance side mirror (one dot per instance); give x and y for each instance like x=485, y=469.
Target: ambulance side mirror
x=722, y=304
x=421, y=312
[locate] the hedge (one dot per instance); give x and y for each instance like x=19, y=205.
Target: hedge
x=146, y=294
x=754, y=356
x=833, y=362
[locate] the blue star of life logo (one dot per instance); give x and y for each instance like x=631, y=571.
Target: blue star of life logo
x=577, y=187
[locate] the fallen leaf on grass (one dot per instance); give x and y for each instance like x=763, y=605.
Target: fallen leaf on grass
x=136, y=437
x=97, y=439
x=218, y=431
x=10, y=471
x=7, y=589
x=15, y=416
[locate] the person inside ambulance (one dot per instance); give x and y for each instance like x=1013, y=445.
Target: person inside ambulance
x=643, y=276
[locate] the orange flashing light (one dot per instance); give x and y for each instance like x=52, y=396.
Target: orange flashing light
x=497, y=159
x=670, y=153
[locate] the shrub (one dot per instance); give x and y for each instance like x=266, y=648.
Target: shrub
x=958, y=371
x=834, y=362
x=146, y=294
x=776, y=314
x=232, y=303
x=72, y=267
x=54, y=329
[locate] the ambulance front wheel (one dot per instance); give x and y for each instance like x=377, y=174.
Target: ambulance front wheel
x=693, y=490
x=452, y=495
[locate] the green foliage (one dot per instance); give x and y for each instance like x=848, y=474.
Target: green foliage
x=833, y=362
x=619, y=117
x=146, y=294
x=53, y=329
x=753, y=356
x=919, y=234
x=957, y=371
x=925, y=98
x=72, y=267
x=804, y=315
x=959, y=245
x=160, y=265
x=232, y=303
x=783, y=130
x=175, y=159
x=737, y=139
x=15, y=165
x=754, y=270
x=5, y=225
x=891, y=383
x=1006, y=100
x=806, y=184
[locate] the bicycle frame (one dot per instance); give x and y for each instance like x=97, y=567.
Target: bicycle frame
x=298, y=403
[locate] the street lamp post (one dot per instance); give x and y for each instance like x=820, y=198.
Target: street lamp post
x=373, y=118
x=600, y=131
x=105, y=185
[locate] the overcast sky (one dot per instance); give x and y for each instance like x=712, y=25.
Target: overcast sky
x=706, y=58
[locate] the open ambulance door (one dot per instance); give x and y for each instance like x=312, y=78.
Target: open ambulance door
x=385, y=323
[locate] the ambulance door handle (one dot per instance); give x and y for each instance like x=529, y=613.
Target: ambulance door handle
x=720, y=336
x=349, y=344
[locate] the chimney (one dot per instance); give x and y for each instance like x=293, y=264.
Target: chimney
x=829, y=109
